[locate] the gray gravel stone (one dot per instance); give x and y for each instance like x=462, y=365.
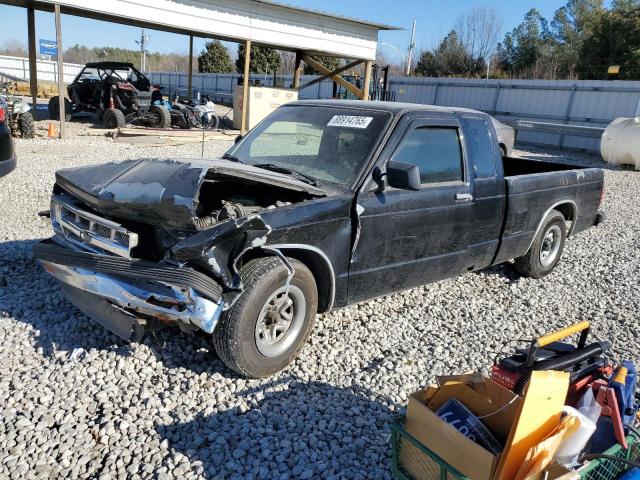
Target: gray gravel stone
x=140, y=411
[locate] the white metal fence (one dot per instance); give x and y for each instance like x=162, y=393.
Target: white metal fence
x=18, y=68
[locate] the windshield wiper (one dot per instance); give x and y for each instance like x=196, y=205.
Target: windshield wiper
x=231, y=158
x=294, y=173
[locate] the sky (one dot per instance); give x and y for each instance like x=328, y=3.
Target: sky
x=435, y=18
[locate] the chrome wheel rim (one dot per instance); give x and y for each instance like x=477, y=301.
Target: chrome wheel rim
x=550, y=245
x=280, y=321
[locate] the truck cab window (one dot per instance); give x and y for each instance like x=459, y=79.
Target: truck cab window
x=435, y=151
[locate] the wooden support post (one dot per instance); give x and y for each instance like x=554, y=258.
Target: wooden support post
x=367, y=80
x=297, y=71
x=61, y=89
x=33, y=66
x=190, y=80
x=245, y=88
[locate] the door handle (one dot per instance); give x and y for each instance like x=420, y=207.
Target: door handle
x=464, y=197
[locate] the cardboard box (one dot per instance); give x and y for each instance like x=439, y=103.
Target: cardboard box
x=518, y=423
x=480, y=395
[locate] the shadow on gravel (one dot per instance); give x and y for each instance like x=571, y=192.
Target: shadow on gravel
x=504, y=270
x=289, y=427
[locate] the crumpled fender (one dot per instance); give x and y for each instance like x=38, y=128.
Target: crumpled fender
x=218, y=248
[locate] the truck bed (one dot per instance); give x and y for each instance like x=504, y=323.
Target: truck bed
x=533, y=188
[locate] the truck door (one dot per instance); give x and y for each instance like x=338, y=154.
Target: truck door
x=408, y=238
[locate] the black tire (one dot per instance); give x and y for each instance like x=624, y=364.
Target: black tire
x=503, y=150
x=25, y=124
x=160, y=117
x=236, y=336
x=213, y=123
x=113, y=118
x=178, y=120
x=54, y=109
x=531, y=264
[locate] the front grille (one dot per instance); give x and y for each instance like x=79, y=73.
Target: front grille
x=90, y=231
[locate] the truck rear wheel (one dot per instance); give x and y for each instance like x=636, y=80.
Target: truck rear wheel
x=546, y=250
x=270, y=322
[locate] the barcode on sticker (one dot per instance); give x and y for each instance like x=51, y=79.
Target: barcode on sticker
x=350, y=121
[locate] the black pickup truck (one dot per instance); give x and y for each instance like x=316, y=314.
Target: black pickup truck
x=323, y=204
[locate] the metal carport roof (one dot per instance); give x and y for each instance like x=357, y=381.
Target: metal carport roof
x=263, y=22
x=253, y=22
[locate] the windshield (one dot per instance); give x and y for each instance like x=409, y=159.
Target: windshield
x=322, y=143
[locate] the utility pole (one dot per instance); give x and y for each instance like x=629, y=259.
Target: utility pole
x=143, y=42
x=412, y=45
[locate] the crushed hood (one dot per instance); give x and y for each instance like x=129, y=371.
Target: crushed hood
x=157, y=191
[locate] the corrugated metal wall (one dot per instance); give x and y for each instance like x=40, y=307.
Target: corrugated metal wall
x=585, y=102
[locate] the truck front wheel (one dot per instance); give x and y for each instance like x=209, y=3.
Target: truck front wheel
x=270, y=321
x=546, y=250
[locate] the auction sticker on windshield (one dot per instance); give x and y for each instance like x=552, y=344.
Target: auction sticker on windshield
x=349, y=121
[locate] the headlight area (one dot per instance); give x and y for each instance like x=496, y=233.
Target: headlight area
x=124, y=294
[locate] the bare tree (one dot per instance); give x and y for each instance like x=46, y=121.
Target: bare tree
x=479, y=30
x=396, y=69
x=287, y=62
x=13, y=47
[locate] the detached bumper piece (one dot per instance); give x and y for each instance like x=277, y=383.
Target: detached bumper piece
x=121, y=294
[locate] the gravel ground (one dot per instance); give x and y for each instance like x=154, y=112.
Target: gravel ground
x=143, y=411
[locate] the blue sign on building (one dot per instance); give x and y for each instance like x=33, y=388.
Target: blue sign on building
x=48, y=47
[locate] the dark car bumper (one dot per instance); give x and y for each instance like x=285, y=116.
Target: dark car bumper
x=7, y=166
x=122, y=294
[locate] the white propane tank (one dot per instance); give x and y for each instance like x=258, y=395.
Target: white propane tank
x=620, y=144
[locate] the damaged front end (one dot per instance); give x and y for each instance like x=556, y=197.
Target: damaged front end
x=127, y=295
x=134, y=254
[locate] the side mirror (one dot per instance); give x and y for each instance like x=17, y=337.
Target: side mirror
x=404, y=176
x=379, y=178
x=237, y=139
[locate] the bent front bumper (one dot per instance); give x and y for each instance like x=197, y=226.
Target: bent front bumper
x=121, y=294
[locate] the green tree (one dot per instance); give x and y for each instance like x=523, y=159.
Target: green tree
x=615, y=40
x=427, y=65
x=78, y=54
x=330, y=62
x=522, y=48
x=570, y=27
x=215, y=59
x=450, y=58
x=263, y=60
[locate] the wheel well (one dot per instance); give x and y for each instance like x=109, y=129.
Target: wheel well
x=568, y=211
x=315, y=262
